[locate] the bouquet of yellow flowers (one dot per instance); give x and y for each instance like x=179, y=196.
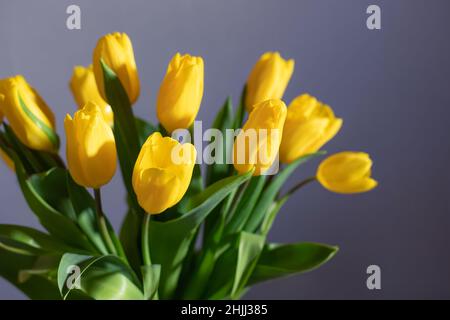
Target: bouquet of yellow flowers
x=170, y=202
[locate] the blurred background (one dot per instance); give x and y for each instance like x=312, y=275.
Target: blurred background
x=391, y=87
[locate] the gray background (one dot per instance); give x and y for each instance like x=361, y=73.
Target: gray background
x=390, y=86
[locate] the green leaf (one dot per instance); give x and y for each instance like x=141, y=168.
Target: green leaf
x=29, y=158
x=195, y=282
x=245, y=205
x=196, y=184
x=33, y=161
x=223, y=121
x=269, y=194
x=150, y=275
x=28, y=241
x=85, y=215
x=170, y=240
x=51, y=187
x=271, y=215
x=35, y=287
x=250, y=246
x=234, y=266
x=101, y=278
x=240, y=112
x=280, y=260
x=125, y=131
x=46, y=206
x=144, y=129
x=130, y=237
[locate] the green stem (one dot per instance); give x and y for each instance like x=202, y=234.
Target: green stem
x=144, y=240
x=102, y=222
x=300, y=185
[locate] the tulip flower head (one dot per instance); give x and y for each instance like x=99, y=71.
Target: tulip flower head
x=28, y=115
x=162, y=172
x=268, y=79
x=181, y=92
x=116, y=51
x=309, y=125
x=84, y=89
x=91, y=149
x=346, y=172
x=257, y=145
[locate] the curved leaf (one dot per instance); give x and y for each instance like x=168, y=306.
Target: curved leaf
x=144, y=129
x=84, y=212
x=170, y=240
x=280, y=260
x=245, y=205
x=36, y=191
x=130, y=237
x=223, y=121
x=35, y=287
x=101, y=278
x=269, y=194
x=234, y=266
x=150, y=276
x=125, y=131
x=24, y=240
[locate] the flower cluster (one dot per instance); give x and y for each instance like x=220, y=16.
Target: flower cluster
x=169, y=199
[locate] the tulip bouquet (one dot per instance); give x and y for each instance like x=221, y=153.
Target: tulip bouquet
x=186, y=235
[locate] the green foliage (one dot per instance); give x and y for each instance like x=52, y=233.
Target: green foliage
x=280, y=260
x=236, y=211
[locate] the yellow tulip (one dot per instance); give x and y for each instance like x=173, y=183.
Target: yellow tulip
x=116, y=51
x=257, y=145
x=309, y=125
x=91, y=149
x=181, y=92
x=162, y=172
x=84, y=89
x=28, y=115
x=268, y=79
x=346, y=172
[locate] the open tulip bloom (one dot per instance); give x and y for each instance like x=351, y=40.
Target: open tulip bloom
x=157, y=254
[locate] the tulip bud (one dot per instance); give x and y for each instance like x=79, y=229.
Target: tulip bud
x=91, y=149
x=28, y=115
x=346, y=172
x=84, y=89
x=162, y=172
x=116, y=51
x=309, y=125
x=268, y=79
x=257, y=145
x=181, y=92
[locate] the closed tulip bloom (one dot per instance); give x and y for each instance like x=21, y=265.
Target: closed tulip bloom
x=347, y=172
x=268, y=79
x=309, y=125
x=28, y=115
x=84, y=89
x=91, y=149
x=257, y=145
x=116, y=51
x=181, y=92
x=162, y=172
